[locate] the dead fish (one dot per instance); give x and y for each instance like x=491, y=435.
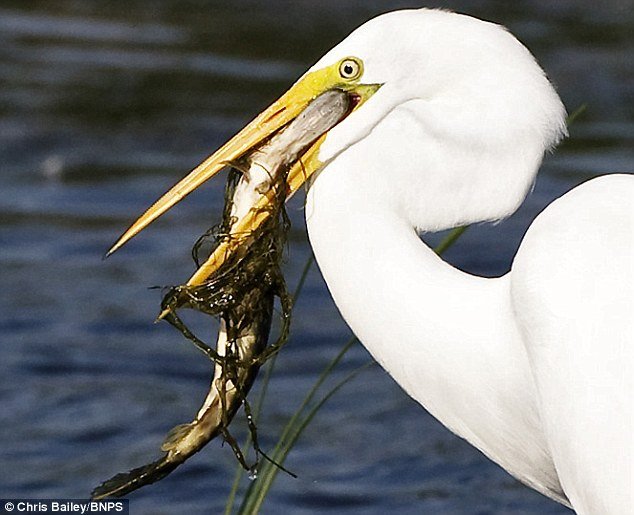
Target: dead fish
x=238, y=283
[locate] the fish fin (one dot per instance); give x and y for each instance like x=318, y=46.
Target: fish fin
x=126, y=482
x=175, y=436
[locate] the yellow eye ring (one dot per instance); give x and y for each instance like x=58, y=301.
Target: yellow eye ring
x=350, y=68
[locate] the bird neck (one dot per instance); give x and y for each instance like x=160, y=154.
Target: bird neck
x=447, y=337
x=431, y=326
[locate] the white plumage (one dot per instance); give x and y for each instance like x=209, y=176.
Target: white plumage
x=533, y=368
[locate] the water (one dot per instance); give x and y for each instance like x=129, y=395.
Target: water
x=105, y=105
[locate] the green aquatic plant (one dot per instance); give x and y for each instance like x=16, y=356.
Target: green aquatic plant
x=241, y=293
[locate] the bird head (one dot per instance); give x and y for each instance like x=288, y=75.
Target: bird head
x=459, y=110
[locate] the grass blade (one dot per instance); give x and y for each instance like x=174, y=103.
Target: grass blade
x=450, y=239
x=257, y=491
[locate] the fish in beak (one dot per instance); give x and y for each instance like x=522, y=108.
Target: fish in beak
x=277, y=153
x=305, y=143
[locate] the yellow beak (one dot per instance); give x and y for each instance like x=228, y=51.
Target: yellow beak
x=278, y=115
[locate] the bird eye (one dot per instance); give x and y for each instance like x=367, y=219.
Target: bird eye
x=350, y=69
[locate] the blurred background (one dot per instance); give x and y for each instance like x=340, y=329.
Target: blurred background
x=103, y=106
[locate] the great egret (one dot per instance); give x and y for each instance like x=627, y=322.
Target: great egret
x=451, y=117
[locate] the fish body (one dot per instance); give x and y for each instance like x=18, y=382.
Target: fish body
x=242, y=336
x=241, y=292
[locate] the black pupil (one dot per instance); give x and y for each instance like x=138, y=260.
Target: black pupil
x=348, y=69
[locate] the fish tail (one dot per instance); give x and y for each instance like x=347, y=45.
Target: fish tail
x=126, y=482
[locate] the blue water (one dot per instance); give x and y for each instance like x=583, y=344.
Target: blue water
x=105, y=105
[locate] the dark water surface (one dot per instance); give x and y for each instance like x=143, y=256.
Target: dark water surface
x=103, y=105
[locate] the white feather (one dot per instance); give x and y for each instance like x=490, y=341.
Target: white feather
x=456, y=135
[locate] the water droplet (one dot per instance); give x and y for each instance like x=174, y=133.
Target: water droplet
x=253, y=473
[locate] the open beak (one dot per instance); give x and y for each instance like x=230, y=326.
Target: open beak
x=273, y=119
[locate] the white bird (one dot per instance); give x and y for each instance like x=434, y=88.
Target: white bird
x=450, y=119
